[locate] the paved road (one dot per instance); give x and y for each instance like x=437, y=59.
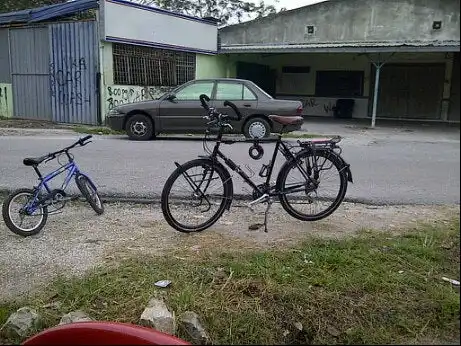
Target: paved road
x=387, y=166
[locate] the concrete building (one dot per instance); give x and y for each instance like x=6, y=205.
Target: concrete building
x=56, y=65
x=334, y=56
x=405, y=51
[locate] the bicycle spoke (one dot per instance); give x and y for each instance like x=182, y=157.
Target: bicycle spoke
x=198, y=194
x=316, y=195
x=19, y=216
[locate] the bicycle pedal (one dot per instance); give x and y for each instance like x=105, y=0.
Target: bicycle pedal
x=261, y=199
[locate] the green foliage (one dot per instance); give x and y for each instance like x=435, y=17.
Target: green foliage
x=223, y=10
x=17, y=5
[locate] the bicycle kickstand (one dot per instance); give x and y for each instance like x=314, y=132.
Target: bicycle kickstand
x=269, y=204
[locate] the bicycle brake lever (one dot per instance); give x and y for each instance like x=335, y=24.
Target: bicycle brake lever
x=50, y=158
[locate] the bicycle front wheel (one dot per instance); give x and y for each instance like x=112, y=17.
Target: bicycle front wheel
x=315, y=198
x=21, y=216
x=90, y=193
x=195, y=195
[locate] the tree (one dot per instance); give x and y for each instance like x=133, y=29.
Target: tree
x=226, y=11
x=16, y=5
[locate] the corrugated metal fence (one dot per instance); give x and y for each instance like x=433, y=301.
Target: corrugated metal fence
x=5, y=74
x=29, y=70
x=73, y=66
x=54, y=71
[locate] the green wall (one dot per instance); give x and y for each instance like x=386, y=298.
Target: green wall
x=6, y=100
x=213, y=66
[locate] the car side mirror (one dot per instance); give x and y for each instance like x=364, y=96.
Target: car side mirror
x=170, y=97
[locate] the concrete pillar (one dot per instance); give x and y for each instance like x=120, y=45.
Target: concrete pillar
x=375, y=94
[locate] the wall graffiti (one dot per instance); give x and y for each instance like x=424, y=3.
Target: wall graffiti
x=117, y=95
x=6, y=100
x=66, y=81
x=324, y=106
x=309, y=103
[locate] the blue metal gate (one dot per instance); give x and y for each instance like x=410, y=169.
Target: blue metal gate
x=73, y=70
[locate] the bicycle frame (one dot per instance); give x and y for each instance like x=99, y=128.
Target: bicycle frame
x=70, y=167
x=280, y=146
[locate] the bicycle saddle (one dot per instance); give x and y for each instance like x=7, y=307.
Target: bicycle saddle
x=287, y=120
x=34, y=161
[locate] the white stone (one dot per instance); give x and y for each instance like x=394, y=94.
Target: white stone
x=157, y=315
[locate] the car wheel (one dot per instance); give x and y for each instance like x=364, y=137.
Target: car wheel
x=256, y=128
x=139, y=127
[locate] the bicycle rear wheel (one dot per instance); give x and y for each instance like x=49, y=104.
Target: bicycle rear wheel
x=300, y=198
x=195, y=195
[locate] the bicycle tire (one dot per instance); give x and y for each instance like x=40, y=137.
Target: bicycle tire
x=282, y=176
x=165, y=200
x=9, y=222
x=83, y=185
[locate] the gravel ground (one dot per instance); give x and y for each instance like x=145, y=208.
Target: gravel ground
x=77, y=239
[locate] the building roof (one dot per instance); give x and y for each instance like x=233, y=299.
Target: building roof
x=45, y=13
x=362, y=26
x=345, y=47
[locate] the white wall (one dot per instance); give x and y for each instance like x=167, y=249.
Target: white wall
x=132, y=23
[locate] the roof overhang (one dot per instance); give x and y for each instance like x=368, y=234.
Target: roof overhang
x=46, y=13
x=347, y=47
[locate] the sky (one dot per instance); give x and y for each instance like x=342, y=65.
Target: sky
x=290, y=4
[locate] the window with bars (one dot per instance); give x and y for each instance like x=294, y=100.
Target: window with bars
x=137, y=65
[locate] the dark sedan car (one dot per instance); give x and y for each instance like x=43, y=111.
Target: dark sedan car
x=179, y=111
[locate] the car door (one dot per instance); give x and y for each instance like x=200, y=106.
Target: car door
x=184, y=112
x=239, y=94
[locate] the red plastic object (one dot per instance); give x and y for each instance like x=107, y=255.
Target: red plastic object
x=102, y=333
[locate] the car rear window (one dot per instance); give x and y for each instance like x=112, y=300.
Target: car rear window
x=193, y=91
x=233, y=91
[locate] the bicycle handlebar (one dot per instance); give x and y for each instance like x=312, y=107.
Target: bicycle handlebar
x=81, y=141
x=204, y=99
x=234, y=107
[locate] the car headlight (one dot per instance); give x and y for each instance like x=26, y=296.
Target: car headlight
x=114, y=111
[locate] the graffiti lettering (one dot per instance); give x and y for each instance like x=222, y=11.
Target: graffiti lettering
x=317, y=106
x=3, y=96
x=328, y=107
x=119, y=95
x=66, y=81
x=310, y=103
x=6, y=98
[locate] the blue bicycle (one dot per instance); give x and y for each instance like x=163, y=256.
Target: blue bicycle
x=33, y=203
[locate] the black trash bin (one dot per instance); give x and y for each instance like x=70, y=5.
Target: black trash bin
x=344, y=108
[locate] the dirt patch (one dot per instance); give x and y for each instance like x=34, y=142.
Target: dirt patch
x=77, y=239
x=30, y=124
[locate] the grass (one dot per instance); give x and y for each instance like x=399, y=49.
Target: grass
x=96, y=130
x=371, y=289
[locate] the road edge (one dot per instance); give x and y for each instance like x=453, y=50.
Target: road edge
x=155, y=199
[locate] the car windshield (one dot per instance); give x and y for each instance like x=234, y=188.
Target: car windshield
x=262, y=91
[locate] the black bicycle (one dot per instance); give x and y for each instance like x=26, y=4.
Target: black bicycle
x=199, y=191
